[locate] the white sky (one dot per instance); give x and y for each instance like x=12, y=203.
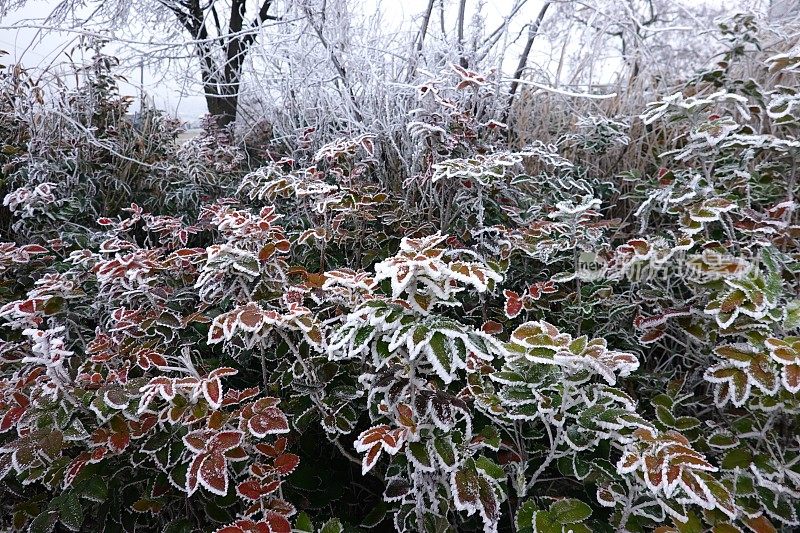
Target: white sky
x=35, y=48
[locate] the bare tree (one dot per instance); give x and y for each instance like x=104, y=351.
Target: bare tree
x=220, y=32
x=221, y=72
x=636, y=40
x=533, y=31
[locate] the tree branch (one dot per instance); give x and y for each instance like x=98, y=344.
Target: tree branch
x=533, y=31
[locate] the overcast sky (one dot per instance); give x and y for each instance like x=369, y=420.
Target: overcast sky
x=34, y=47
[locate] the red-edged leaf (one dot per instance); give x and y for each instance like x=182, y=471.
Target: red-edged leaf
x=278, y=523
x=513, y=304
x=34, y=249
x=192, y=475
x=119, y=441
x=237, y=454
x=370, y=458
x=286, y=463
x=213, y=474
x=652, y=336
x=11, y=417
x=760, y=524
x=196, y=440
x=75, y=468
x=270, y=421
x=212, y=390
x=492, y=328
x=226, y=440
x=250, y=489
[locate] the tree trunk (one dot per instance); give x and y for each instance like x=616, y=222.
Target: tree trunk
x=221, y=78
x=223, y=107
x=462, y=5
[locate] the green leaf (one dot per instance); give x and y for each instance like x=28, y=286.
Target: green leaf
x=662, y=399
x=565, y=466
x=419, y=452
x=774, y=283
x=524, y=519
x=53, y=305
x=578, y=345
x=332, y=526
x=375, y=516
x=740, y=457
x=247, y=264
x=570, y=511
x=722, y=440
x=491, y=468
x=302, y=421
x=664, y=416
x=777, y=505
x=518, y=395
x=445, y=450
x=544, y=522
x=508, y=378
x=440, y=356
x=587, y=416
x=692, y=525
x=574, y=466
x=44, y=522
x=604, y=469
x=303, y=523
x=362, y=336
x=156, y=442
x=420, y=333
x=685, y=423
x=181, y=525
x=70, y=512
x=94, y=488
x=217, y=513
x=611, y=416
x=382, y=347
x=491, y=437
x=792, y=320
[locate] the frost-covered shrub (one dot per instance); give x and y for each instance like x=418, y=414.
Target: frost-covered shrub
x=509, y=342
x=83, y=153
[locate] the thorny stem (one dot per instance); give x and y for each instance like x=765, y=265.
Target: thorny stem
x=554, y=440
x=626, y=512
x=296, y=353
x=314, y=396
x=264, y=370
x=549, y=459
x=575, y=256
x=352, y=458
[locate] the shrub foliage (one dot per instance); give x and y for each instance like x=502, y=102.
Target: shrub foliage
x=520, y=338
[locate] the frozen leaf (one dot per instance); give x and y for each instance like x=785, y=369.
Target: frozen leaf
x=570, y=511
x=70, y=513
x=332, y=526
x=375, y=517
x=445, y=452
x=465, y=489
x=419, y=456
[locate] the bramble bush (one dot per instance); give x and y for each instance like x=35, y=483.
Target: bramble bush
x=511, y=341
